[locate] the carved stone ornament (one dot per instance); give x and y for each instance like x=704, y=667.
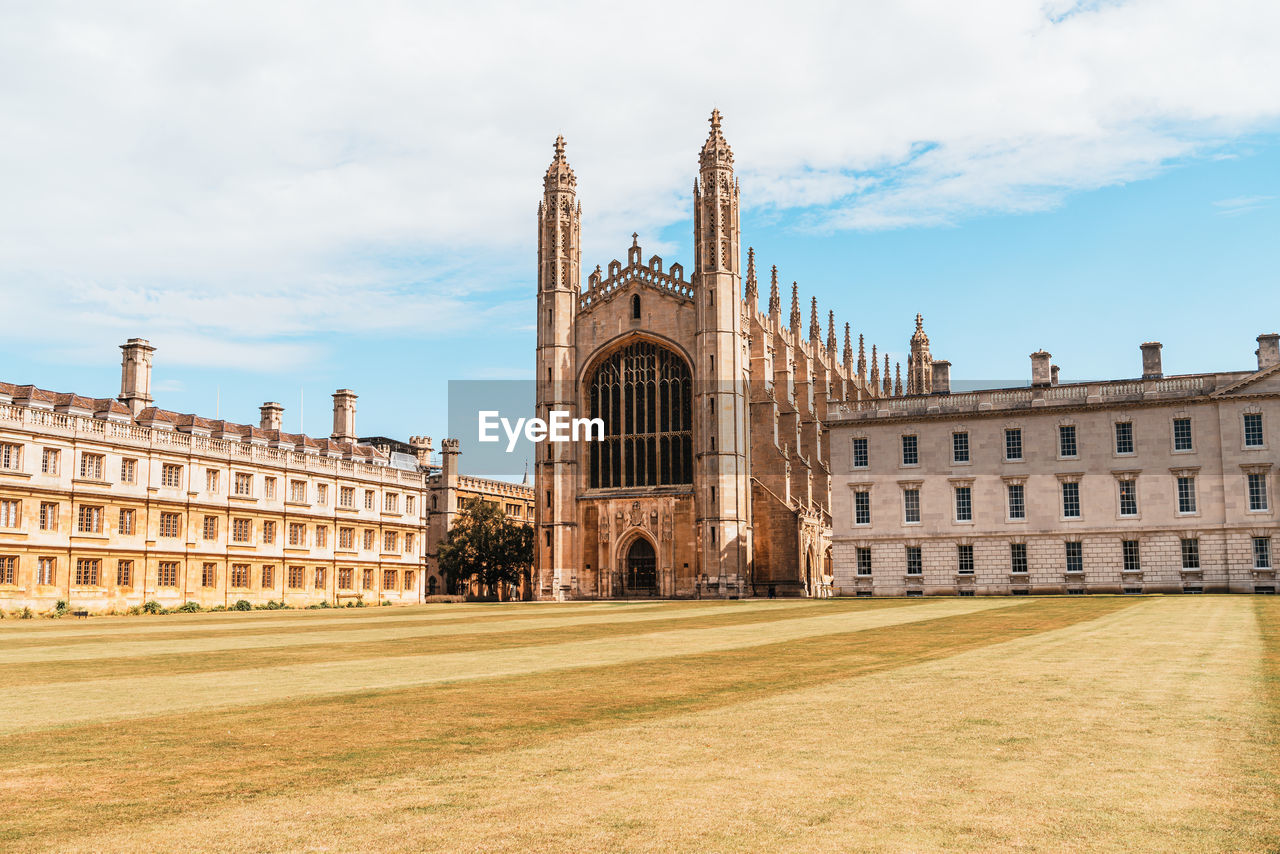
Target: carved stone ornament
x=637, y=514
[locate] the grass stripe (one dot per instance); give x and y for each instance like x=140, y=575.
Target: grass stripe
x=141, y=696
x=23, y=634
x=547, y=619
x=58, y=782
x=517, y=634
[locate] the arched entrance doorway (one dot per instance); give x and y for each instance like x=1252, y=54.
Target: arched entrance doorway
x=640, y=570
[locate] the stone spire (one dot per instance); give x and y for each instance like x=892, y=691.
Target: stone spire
x=775, y=301
x=875, y=370
x=897, y=383
x=862, y=357
x=559, y=175
x=795, y=308
x=831, y=333
x=753, y=292
x=848, y=351
x=919, y=363
x=715, y=151
x=888, y=378
x=815, y=328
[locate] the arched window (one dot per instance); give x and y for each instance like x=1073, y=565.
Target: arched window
x=635, y=306
x=643, y=393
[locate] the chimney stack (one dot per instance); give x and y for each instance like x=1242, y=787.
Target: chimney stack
x=272, y=416
x=1053, y=375
x=135, y=375
x=1151, y=361
x=344, y=415
x=1268, y=350
x=942, y=377
x=1041, y=375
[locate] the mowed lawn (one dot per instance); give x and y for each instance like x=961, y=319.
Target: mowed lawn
x=1001, y=724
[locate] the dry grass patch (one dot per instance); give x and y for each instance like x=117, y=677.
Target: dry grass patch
x=74, y=786
x=1146, y=729
x=169, y=693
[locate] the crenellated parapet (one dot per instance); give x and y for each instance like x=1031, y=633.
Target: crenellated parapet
x=601, y=287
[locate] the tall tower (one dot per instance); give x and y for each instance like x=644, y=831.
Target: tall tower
x=556, y=469
x=720, y=374
x=919, y=363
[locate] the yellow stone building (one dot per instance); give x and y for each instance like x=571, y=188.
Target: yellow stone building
x=109, y=503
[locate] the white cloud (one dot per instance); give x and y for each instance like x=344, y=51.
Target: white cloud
x=1241, y=204
x=250, y=171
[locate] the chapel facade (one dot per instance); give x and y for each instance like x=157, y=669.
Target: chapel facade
x=713, y=477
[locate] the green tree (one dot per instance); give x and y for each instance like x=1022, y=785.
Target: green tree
x=486, y=548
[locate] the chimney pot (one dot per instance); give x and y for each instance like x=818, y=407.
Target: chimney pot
x=1151, y=369
x=1268, y=351
x=942, y=377
x=1053, y=375
x=1041, y=375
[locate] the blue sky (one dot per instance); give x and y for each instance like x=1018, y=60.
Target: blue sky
x=314, y=203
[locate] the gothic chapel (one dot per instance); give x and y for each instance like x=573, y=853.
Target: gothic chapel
x=713, y=477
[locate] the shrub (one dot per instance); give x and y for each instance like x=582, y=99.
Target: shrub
x=219, y=608
x=188, y=608
x=273, y=605
x=386, y=602
x=26, y=614
x=134, y=610
x=153, y=607
x=242, y=605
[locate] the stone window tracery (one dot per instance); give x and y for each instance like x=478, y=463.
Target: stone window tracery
x=643, y=392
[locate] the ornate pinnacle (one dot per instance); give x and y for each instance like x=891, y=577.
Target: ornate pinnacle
x=919, y=337
x=862, y=356
x=815, y=328
x=715, y=151
x=848, y=347
x=753, y=294
x=559, y=175
x=831, y=333
x=897, y=383
x=875, y=367
x=775, y=302
x=888, y=379
x=795, y=308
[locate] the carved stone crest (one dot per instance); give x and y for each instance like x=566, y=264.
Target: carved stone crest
x=637, y=514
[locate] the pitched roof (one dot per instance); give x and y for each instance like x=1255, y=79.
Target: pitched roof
x=153, y=414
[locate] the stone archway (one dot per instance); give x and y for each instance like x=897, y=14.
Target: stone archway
x=639, y=564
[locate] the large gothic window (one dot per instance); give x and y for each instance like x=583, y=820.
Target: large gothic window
x=643, y=393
